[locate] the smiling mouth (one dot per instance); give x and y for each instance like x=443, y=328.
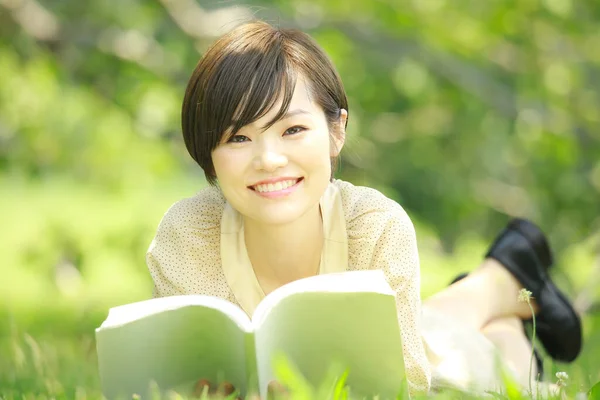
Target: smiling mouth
x=275, y=187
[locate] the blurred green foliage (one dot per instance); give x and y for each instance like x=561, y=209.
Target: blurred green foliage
x=465, y=112
x=479, y=110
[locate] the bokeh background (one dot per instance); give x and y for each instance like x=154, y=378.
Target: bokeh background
x=465, y=112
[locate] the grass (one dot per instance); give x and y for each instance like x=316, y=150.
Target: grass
x=71, y=252
x=56, y=366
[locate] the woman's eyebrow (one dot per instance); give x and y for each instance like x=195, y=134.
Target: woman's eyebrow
x=295, y=112
x=288, y=114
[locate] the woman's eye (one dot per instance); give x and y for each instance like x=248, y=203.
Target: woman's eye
x=238, y=139
x=294, y=129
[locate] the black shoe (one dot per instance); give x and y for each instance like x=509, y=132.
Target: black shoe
x=538, y=359
x=523, y=250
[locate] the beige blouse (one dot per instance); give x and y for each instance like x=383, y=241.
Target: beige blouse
x=199, y=248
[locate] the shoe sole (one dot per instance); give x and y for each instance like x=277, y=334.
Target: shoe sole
x=569, y=354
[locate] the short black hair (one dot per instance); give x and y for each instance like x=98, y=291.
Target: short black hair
x=241, y=77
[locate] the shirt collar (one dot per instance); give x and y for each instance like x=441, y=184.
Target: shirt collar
x=236, y=265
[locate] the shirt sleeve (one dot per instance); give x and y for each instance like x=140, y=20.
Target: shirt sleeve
x=396, y=254
x=382, y=236
x=184, y=256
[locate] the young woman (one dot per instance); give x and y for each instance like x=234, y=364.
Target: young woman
x=264, y=116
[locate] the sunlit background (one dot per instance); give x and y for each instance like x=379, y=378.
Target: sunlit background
x=465, y=112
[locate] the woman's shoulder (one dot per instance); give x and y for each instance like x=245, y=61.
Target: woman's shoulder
x=377, y=228
x=361, y=201
x=184, y=256
x=201, y=211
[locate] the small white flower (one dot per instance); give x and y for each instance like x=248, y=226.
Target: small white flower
x=524, y=296
x=562, y=377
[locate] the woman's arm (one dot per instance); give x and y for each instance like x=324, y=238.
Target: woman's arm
x=396, y=254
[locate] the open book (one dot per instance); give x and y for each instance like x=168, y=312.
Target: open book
x=346, y=318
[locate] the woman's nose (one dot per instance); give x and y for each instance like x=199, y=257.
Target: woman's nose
x=269, y=157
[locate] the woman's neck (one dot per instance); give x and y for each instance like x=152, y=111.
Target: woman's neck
x=284, y=253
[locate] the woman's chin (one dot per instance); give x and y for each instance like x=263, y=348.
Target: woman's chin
x=281, y=214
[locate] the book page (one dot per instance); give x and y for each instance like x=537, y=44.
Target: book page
x=134, y=311
x=352, y=324
x=349, y=281
x=173, y=342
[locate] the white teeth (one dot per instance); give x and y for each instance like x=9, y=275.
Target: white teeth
x=274, y=187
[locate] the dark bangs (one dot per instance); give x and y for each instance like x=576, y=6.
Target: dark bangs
x=246, y=86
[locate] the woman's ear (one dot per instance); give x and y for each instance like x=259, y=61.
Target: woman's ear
x=339, y=134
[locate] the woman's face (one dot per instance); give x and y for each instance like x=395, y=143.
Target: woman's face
x=277, y=175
